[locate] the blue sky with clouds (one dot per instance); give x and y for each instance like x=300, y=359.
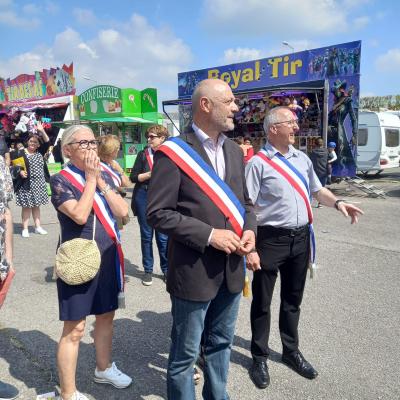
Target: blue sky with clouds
x=146, y=43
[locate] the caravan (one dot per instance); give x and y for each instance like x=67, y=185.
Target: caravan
x=378, y=141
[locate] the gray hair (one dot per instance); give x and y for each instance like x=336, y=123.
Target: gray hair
x=272, y=117
x=67, y=136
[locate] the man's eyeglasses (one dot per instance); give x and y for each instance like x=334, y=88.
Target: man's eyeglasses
x=290, y=122
x=151, y=137
x=84, y=144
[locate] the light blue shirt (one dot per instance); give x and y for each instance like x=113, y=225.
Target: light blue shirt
x=214, y=151
x=276, y=202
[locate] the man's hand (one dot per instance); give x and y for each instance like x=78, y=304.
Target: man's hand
x=225, y=240
x=349, y=209
x=253, y=261
x=247, y=243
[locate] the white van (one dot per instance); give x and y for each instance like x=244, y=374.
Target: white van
x=378, y=141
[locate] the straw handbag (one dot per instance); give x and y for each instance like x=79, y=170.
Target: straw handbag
x=78, y=260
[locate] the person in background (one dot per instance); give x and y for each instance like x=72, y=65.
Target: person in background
x=206, y=272
x=108, y=153
x=248, y=150
x=30, y=187
x=98, y=297
x=57, y=153
x=7, y=391
x=4, y=150
x=280, y=181
x=140, y=176
x=319, y=159
x=332, y=157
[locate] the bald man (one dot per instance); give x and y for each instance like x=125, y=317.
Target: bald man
x=205, y=255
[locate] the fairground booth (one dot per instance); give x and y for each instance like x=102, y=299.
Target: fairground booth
x=45, y=96
x=321, y=86
x=126, y=113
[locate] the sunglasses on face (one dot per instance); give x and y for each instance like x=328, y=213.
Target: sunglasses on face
x=151, y=137
x=84, y=144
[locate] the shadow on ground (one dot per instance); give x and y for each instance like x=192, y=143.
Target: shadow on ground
x=140, y=349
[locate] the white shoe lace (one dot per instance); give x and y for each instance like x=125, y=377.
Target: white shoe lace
x=115, y=369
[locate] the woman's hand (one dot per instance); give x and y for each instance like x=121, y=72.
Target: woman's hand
x=92, y=165
x=23, y=174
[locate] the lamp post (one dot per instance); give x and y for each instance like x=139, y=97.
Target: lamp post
x=89, y=79
x=288, y=45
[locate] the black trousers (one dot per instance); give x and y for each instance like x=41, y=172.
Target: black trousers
x=288, y=252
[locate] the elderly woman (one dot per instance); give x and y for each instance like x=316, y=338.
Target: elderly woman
x=30, y=187
x=140, y=175
x=77, y=194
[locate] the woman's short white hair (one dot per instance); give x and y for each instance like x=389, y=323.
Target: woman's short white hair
x=273, y=117
x=68, y=134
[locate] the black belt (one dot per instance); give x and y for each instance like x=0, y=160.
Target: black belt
x=269, y=230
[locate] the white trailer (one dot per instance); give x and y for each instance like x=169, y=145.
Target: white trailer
x=378, y=141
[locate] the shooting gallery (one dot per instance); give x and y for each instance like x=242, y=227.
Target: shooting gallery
x=321, y=86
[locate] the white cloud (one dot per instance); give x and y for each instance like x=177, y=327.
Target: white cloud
x=12, y=19
x=281, y=18
x=361, y=22
x=240, y=54
x=135, y=54
x=389, y=62
x=84, y=16
x=84, y=46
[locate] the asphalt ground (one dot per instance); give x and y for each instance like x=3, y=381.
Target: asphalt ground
x=349, y=326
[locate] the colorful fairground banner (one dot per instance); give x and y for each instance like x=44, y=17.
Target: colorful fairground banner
x=335, y=68
x=45, y=84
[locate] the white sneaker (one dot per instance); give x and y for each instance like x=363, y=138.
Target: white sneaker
x=112, y=376
x=76, y=396
x=40, y=231
x=25, y=233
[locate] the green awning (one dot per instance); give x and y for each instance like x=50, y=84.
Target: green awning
x=118, y=119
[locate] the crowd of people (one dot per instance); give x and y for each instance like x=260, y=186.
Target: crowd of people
x=215, y=207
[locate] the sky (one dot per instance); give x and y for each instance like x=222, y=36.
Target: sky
x=145, y=43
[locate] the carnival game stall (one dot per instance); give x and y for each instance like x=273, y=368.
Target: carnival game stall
x=321, y=86
x=44, y=96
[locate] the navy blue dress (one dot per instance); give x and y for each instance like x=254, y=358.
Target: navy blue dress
x=100, y=295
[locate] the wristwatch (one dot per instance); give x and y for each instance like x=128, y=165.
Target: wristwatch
x=337, y=203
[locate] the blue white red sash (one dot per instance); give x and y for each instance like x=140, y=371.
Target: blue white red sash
x=149, y=153
x=190, y=162
x=299, y=183
x=77, y=178
x=113, y=174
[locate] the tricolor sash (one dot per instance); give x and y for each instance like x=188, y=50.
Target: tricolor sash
x=299, y=183
x=103, y=212
x=113, y=174
x=190, y=162
x=149, y=153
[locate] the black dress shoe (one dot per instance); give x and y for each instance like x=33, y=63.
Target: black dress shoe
x=259, y=374
x=297, y=362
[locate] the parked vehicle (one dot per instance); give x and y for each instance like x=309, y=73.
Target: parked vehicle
x=378, y=141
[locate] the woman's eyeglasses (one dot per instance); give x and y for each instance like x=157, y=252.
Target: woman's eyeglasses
x=151, y=137
x=84, y=144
